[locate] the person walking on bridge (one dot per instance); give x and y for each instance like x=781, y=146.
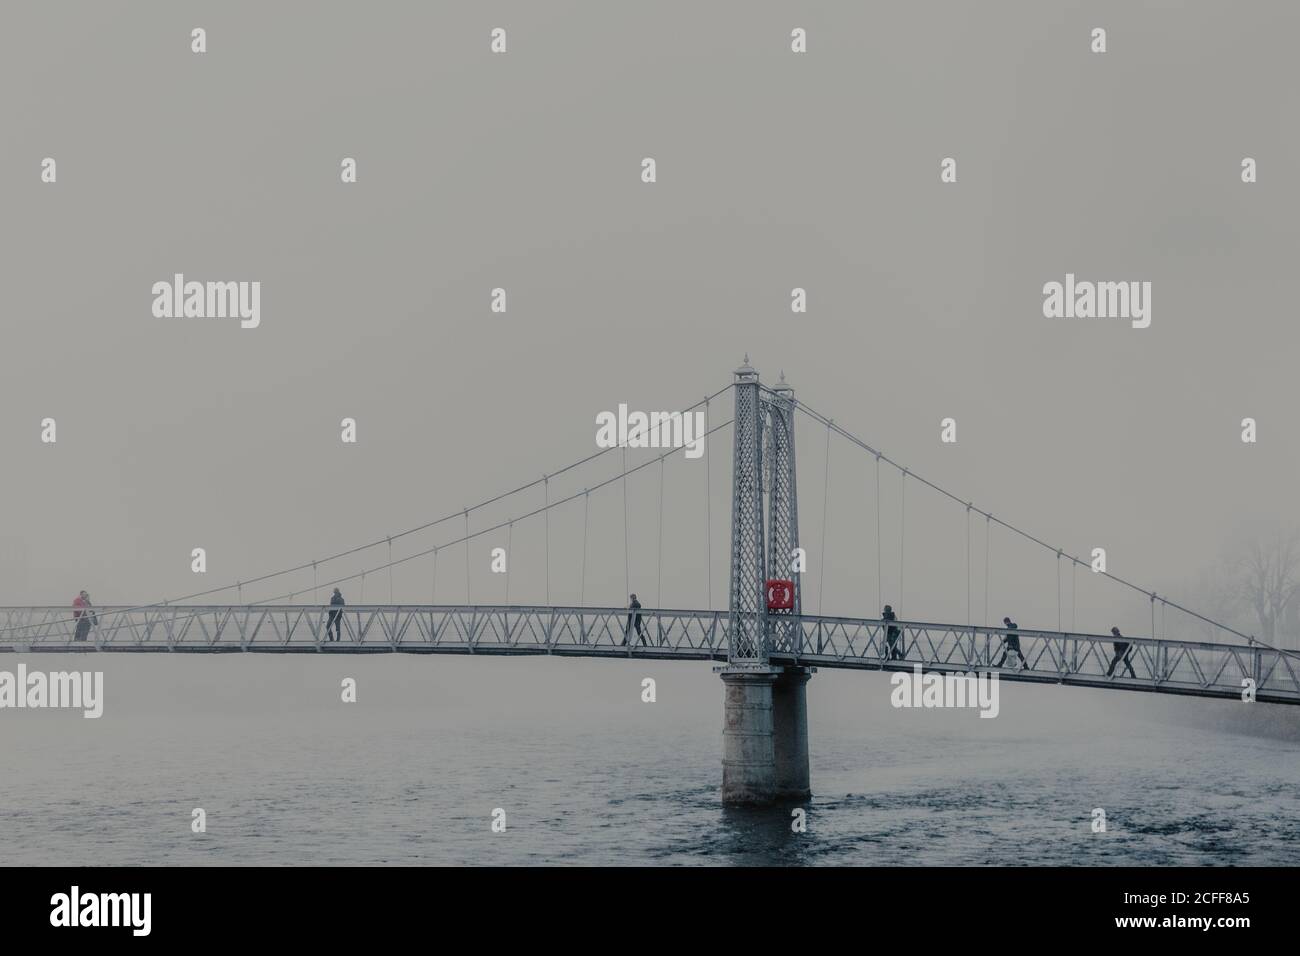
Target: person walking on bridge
x=1121, y=654
x=335, y=622
x=83, y=615
x=1011, y=642
x=894, y=653
x=634, y=621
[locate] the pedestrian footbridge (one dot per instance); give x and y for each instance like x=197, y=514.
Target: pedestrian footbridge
x=1051, y=657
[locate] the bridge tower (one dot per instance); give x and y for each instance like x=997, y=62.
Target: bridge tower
x=765, y=712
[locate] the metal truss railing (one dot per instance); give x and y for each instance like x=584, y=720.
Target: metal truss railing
x=464, y=629
x=1165, y=666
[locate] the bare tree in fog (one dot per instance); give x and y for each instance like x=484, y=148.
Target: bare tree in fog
x=1265, y=566
x=1254, y=587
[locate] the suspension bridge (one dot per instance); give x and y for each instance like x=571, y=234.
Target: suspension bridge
x=765, y=642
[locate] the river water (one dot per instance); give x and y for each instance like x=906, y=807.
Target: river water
x=588, y=773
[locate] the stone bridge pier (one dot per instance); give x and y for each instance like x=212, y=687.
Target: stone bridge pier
x=765, y=735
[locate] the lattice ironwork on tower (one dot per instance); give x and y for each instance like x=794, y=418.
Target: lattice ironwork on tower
x=763, y=539
x=783, y=513
x=748, y=591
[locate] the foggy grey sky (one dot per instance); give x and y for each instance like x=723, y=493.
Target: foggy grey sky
x=522, y=171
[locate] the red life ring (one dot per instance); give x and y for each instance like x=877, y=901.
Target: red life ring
x=780, y=594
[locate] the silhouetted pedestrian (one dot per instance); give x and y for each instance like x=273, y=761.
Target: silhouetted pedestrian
x=894, y=652
x=335, y=622
x=634, y=621
x=1121, y=654
x=1011, y=642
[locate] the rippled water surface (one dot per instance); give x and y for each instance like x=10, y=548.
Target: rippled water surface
x=587, y=773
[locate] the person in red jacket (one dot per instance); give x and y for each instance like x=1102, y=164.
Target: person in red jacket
x=82, y=614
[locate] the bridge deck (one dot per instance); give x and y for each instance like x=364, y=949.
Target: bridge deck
x=1162, y=666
